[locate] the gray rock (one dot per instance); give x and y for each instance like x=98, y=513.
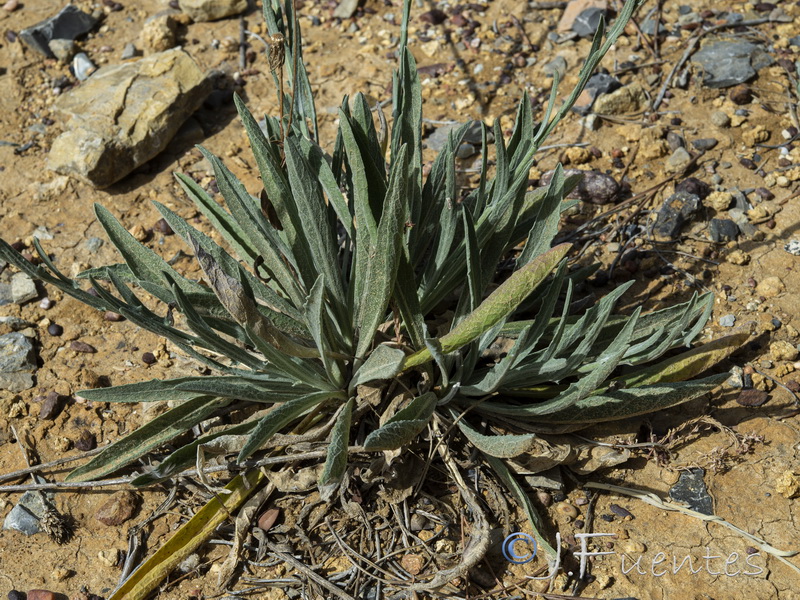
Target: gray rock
x=720, y=119
x=466, y=150
x=726, y=64
x=25, y=515
x=588, y=21
x=723, y=230
x=594, y=187
x=125, y=115
x=676, y=211
x=82, y=66
x=129, y=51
x=691, y=490
x=689, y=18
x=678, y=161
x=681, y=80
x=740, y=200
x=739, y=216
x=793, y=247
x=14, y=323
x=438, y=139
x=23, y=288
x=704, y=144
x=727, y=321
x=63, y=50
x=38, y=128
x=557, y=65
x=675, y=140
x=649, y=27
x=42, y=233
x=598, y=84
x=5, y=294
x=93, y=244
x=17, y=362
x=211, y=10
x=69, y=24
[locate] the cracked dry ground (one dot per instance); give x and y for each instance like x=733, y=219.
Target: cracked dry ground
x=475, y=64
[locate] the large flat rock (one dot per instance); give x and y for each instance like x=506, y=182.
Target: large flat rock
x=126, y=114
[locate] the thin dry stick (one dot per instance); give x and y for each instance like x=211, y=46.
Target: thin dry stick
x=270, y=460
x=242, y=44
x=44, y=466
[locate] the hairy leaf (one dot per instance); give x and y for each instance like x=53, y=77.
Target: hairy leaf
x=500, y=446
x=280, y=417
x=383, y=363
x=148, y=437
x=336, y=462
x=403, y=427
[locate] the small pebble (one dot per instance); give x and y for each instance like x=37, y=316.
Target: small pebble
x=78, y=346
x=41, y=595
x=752, y=397
x=16, y=595
x=46, y=304
x=741, y=94
x=51, y=406
x=764, y=194
x=727, y=321
x=703, y=144
x=55, y=329
x=117, y=509
x=129, y=51
x=413, y=563
x=433, y=17
x=148, y=358
x=11, y=5
x=418, y=522
x=163, y=227
x=267, y=519
x=620, y=511
x=693, y=185
x=86, y=441
x=567, y=510
x=632, y=547
x=112, y=316
x=720, y=119
x=748, y=164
